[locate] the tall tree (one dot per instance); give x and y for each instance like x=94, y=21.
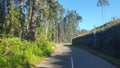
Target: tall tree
x=2, y=11
x=60, y=23
x=102, y=3
x=71, y=23
x=32, y=25
x=22, y=33
x=2, y=15
x=22, y=18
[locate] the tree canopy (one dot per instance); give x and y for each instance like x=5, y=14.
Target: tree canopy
x=30, y=19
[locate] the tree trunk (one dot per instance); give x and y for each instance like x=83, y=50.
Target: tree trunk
x=102, y=16
x=2, y=16
x=2, y=11
x=46, y=29
x=22, y=35
x=33, y=21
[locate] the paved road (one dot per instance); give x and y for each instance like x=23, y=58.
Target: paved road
x=70, y=57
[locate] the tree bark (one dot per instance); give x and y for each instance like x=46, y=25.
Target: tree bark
x=33, y=21
x=46, y=29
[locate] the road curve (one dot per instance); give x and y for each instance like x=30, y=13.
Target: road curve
x=70, y=57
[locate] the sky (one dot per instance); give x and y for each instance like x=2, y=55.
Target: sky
x=91, y=13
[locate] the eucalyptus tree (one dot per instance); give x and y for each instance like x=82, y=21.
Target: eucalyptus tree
x=44, y=15
x=2, y=15
x=32, y=24
x=47, y=16
x=23, y=17
x=71, y=22
x=60, y=23
x=55, y=10
x=51, y=18
x=102, y=3
x=22, y=22
x=11, y=20
x=2, y=11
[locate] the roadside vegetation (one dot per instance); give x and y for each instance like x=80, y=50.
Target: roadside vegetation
x=29, y=30
x=17, y=54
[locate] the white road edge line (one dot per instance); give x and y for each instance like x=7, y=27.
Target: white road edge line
x=72, y=62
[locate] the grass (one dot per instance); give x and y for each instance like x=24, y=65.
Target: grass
x=111, y=60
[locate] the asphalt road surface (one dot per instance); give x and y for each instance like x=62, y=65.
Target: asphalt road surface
x=70, y=57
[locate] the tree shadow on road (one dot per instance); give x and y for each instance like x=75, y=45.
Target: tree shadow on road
x=58, y=60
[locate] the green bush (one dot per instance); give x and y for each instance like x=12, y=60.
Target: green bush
x=17, y=54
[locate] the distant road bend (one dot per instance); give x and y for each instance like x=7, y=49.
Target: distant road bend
x=70, y=57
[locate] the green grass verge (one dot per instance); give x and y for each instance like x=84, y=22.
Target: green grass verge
x=111, y=60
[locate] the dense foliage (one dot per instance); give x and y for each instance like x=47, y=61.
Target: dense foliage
x=103, y=40
x=17, y=54
x=28, y=26
x=47, y=19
